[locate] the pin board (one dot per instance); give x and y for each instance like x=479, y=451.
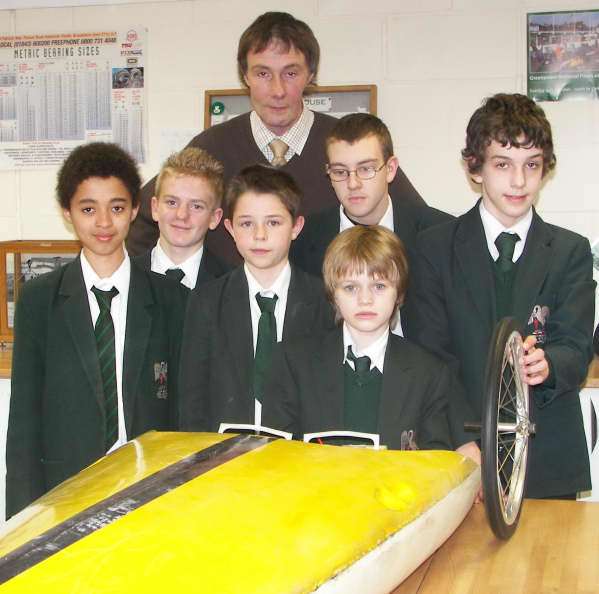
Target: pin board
x=224, y=104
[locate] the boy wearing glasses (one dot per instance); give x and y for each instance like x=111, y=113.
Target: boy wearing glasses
x=361, y=165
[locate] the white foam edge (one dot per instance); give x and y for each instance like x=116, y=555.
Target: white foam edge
x=385, y=567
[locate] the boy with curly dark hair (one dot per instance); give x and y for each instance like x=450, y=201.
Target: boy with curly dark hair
x=499, y=260
x=95, y=342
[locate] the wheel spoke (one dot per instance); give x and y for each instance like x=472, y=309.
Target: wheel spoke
x=507, y=457
x=518, y=460
x=507, y=392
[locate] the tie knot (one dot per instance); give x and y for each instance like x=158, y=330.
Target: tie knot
x=104, y=298
x=175, y=273
x=279, y=150
x=506, y=243
x=266, y=304
x=361, y=364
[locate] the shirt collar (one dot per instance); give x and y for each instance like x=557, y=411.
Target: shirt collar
x=493, y=228
x=119, y=278
x=161, y=262
x=386, y=220
x=376, y=350
x=295, y=138
x=279, y=287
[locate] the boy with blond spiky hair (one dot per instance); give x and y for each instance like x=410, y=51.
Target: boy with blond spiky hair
x=187, y=205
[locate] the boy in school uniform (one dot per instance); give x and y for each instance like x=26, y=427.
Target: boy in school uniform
x=360, y=376
x=189, y=190
x=96, y=342
x=501, y=259
x=361, y=165
x=233, y=324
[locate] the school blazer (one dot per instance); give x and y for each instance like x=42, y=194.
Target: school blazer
x=210, y=266
x=454, y=316
x=308, y=250
x=217, y=353
x=306, y=394
x=56, y=422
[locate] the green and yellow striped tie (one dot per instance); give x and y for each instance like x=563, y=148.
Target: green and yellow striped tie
x=104, y=331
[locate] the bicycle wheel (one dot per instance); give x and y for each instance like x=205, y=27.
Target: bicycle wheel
x=505, y=431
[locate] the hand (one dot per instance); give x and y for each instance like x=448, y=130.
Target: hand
x=533, y=364
x=472, y=451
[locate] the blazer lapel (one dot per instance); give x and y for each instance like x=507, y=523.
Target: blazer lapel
x=533, y=267
x=475, y=266
x=143, y=261
x=325, y=231
x=237, y=322
x=403, y=225
x=205, y=272
x=141, y=307
x=330, y=375
x=300, y=302
x=78, y=319
x=395, y=381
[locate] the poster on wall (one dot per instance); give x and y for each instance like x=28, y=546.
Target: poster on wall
x=60, y=90
x=563, y=55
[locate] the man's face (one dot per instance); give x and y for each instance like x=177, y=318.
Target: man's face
x=277, y=79
x=101, y=212
x=364, y=201
x=510, y=179
x=263, y=230
x=185, y=211
x=366, y=305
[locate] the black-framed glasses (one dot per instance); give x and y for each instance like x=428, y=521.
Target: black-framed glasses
x=363, y=172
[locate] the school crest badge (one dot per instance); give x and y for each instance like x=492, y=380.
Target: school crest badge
x=160, y=379
x=538, y=322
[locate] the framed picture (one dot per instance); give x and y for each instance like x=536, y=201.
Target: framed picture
x=21, y=261
x=222, y=105
x=563, y=55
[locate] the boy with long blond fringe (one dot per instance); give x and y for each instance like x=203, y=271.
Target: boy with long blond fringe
x=360, y=377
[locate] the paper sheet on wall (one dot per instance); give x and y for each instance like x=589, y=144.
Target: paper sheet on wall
x=60, y=90
x=173, y=140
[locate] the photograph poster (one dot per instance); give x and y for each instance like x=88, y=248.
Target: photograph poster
x=563, y=55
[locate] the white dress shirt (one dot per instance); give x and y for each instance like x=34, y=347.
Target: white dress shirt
x=386, y=220
x=118, y=310
x=295, y=138
x=191, y=266
x=280, y=288
x=493, y=228
x=375, y=351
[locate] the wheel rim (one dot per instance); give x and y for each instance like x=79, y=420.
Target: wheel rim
x=513, y=430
